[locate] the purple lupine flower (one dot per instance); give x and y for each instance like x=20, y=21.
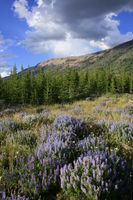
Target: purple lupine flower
x=3, y=196
x=116, y=187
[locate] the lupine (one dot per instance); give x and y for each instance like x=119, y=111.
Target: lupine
x=97, y=109
x=102, y=103
x=123, y=129
x=93, y=171
x=66, y=155
x=7, y=124
x=32, y=118
x=13, y=197
x=52, y=152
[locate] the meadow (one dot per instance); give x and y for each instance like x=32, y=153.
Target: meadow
x=76, y=151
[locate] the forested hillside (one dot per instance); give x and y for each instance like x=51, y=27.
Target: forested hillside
x=68, y=79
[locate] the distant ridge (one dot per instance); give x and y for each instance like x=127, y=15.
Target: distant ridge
x=119, y=58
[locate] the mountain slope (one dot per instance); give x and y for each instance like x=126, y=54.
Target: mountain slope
x=119, y=57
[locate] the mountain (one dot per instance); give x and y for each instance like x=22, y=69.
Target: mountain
x=119, y=57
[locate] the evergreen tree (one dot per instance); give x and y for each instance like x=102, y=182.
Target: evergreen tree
x=131, y=84
x=100, y=81
x=13, y=89
x=48, y=87
x=22, y=86
x=121, y=82
x=74, y=84
x=34, y=99
x=60, y=87
x=107, y=77
x=57, y=87
x=85, y=85
x=65, y=90
x=1, y=85
x=81, y=84
x=40, y=87
x=113, y=86
x=28, y=86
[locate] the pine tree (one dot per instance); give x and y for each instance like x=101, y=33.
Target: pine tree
x=40, y=87
x=81, y=84
x=28, y=86
x=1, y=85
x=65, y=90
x=112, y=86
x=22, y=86
x=121, y=82
x=107, y=81
x=100, y=81
x=74, y=85
x=13, y=86
x=48, y=87
x=85, y=85
x=34, y=99
x=92, y=82
x=57, y=87
x=131, y=84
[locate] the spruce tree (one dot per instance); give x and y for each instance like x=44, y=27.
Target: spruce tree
x=40, y=87
x=74, y=85
x=57, y=87
x=28, y=86
x=1, y=85
x=113, y=86
x=34, y=99
x=48, y=87
x=131, y=84
x=22, y=89
x=65, y=90
x=13, y=86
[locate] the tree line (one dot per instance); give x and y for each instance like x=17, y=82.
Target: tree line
x=60, y=87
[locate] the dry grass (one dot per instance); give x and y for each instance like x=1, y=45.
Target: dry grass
x=86, y=109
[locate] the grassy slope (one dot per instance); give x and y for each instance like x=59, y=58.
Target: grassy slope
x=119, y=57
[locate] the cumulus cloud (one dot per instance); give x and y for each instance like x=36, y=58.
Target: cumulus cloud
x=5, y=68
x=72, y=27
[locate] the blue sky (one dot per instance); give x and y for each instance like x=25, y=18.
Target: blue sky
x=13, y=28
x=32, y=31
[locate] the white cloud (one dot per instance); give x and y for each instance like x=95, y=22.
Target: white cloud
x=70, y=47
x=4, y=57
x=114, y=36
x=4, y=74
x=40, y=3
x=88, y=25
x=2, y=42
x=21, y=7
x=5, y=68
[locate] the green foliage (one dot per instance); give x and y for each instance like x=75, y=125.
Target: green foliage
x=113, y=89
x=59, y=87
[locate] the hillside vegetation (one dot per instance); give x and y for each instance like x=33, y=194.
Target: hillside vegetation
x=68, y=79
x=119, y=58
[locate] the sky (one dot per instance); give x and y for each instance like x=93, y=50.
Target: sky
x=32, y=31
